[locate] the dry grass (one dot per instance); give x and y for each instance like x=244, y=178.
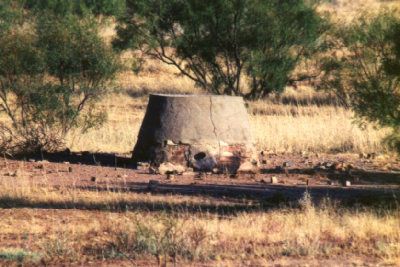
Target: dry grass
x=25, y=192
x=289, y=128
x=299, y=120
x=252, y=238
x=64, y=225
x=347, y=10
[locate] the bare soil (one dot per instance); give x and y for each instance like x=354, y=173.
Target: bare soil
x=322, y=175
x=373, y=180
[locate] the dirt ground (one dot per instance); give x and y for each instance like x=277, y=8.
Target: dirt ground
x=373, y=178
x=323, y=175
x=50, y=218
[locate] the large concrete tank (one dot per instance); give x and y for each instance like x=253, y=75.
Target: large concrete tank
x=199, y=131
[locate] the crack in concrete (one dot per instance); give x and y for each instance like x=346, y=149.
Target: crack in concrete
x=214, y=128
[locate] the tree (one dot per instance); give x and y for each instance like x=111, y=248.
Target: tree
x=8, y=15
x=77, y=7
x=365, y=70
x=52, y=72
x=236, y=47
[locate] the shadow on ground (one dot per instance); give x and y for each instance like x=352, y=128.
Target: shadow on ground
x=270, y=195
x=219, y=199
x=85, y=157
x=358, y=176
x=355, y=175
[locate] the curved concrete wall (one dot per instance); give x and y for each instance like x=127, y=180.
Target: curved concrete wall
x=193, y=124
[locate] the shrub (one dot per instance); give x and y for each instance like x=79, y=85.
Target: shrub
x=78, y=7
x=52, y=72
x=9, y=15
x=223, y=45
x=167, y=237
x=20, y=256
x=365, y=72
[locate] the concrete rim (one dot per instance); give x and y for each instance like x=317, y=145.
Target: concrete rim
x=193, y=96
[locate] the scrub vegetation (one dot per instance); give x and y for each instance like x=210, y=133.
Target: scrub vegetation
x=84, y=88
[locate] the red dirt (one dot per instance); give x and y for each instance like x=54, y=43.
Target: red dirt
x=369, y=177
x=295, y=173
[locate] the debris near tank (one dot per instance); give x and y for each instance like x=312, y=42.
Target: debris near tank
x=169, y=168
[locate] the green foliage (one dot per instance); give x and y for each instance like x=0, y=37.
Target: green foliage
x=10, y=13
x=19, y=255
x=78, y=7
x=365, y=70
x=235, y=47
x=52, y=72
x=164, y=238
x=75, y=53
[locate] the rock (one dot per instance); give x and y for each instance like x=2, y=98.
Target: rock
x=274, y=180
x=247, y=167
x=330, y=165
x=39, y=166
x=304, y=154
x=322, y=167
x=347, y=183
x=170, y=168
x=330, y=182
x=13, y=173
x=215, y=171
x=32, y=160
x=170, y=177
x=170, y=143
x=286, y=164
